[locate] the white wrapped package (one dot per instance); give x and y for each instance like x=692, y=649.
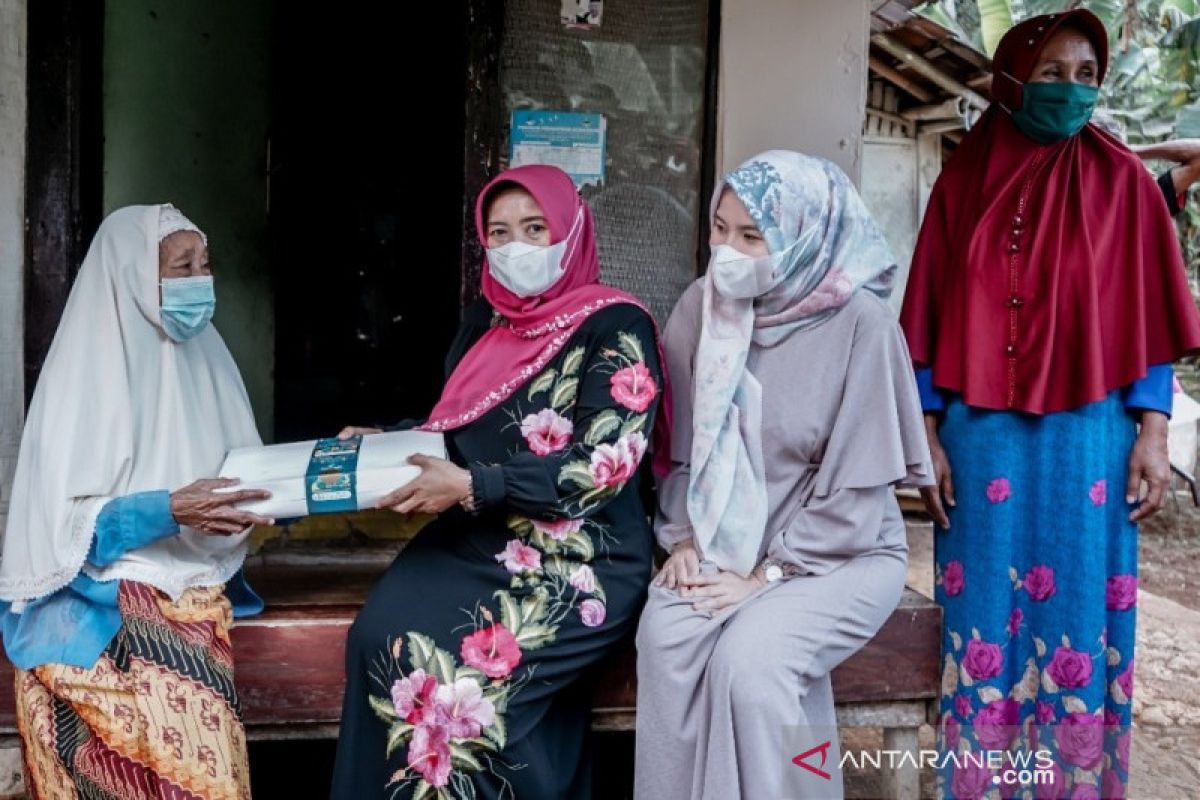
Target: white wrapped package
x=328, y=475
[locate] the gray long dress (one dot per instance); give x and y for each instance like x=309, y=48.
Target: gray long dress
x=726, y=702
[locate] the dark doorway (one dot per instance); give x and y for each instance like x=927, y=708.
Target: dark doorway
x=366, y=192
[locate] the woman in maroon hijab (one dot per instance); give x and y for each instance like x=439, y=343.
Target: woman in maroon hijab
x=466, y=671
x=1046, y=302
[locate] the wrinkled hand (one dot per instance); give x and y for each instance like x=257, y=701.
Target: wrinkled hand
x=721, y=591
x=943, y=490
x=199, y=506
x=682, y=565
x=1149, y=462
x=351, y=431
x=440, y=485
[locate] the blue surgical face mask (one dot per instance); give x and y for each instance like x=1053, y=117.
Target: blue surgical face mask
x=187, y=306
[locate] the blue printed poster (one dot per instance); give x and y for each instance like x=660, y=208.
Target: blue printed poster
x=574, y=141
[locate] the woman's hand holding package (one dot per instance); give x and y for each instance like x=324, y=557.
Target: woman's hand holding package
x=440, y=485
x=200, y=506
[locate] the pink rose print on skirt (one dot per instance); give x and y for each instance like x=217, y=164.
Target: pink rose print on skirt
x=1080, y=738
x=997, y=723
x=592, y=612
x=951, y=732
x=972, y=779
x=1085, y=791
x=982, y=660
x=1052, y=787
x=492, y=650
x=1014, y=621
x=634, y=387
x=952, y=578
x=999, y=490
x=1125, y=680
x=1045, y=713
x=1123, y=743
x=962, y=704
x=614, y=464
x=1099, y=493
x=1113, y=788
x=1120, y=592
x=558, y=530
x=517, y=557
x=547, y=431
x=1039, y=583
x=1070, y=668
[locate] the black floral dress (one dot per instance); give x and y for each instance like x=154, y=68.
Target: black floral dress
x=468, y=669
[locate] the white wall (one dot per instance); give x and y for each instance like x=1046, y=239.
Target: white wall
x=12, y=261
x=793, y=75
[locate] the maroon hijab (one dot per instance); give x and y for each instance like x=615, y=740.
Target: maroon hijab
x=508, y=356
x=1045, y=276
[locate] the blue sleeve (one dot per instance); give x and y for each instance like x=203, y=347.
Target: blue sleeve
x=129, y=522
x=932, y=398
x=1155, y=392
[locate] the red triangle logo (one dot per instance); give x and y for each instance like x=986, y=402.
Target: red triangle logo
x=823, y=749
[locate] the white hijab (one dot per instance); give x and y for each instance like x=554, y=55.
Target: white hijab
x=121, y=408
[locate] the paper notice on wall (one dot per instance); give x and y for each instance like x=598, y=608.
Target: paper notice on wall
x=570, y=140
x=582, y=14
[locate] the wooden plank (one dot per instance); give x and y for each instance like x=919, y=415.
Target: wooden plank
x=290, y=666
x=885, y=70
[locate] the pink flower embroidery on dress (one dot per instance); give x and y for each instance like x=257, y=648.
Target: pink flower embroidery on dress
x=634, y=387
x=558, y=530
x=1098, y=494
x=412, y=696
x=492, y=650
x=463, y=709
x=547, y=431
x=614, y=464
x=517, y=557
x=592, y=612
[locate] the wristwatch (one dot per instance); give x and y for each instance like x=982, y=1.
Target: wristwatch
x=772, y=571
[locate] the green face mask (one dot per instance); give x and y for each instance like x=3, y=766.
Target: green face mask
x=1051, y=112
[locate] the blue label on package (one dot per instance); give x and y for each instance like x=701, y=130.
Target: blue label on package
x=330, y=483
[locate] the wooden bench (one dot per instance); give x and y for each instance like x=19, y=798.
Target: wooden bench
x=290, y=667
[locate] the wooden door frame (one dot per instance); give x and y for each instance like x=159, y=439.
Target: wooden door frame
x=64, y=161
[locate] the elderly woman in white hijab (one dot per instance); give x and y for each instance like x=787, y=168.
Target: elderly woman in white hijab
x=795, y=413
x=112, y=575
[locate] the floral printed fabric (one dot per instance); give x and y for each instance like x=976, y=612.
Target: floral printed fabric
x=1038, y=578
x=446, y=701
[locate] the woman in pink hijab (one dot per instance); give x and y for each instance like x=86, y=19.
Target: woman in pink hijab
x=464, y=666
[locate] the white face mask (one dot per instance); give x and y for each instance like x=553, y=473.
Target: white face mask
x=528, y=270
x=741, y=277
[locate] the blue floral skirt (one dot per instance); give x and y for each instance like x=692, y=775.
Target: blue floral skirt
x=1038, y=578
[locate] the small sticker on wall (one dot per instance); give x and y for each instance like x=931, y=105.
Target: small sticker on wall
x=582, y=14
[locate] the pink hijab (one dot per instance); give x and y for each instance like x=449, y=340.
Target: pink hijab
x=509, y=355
